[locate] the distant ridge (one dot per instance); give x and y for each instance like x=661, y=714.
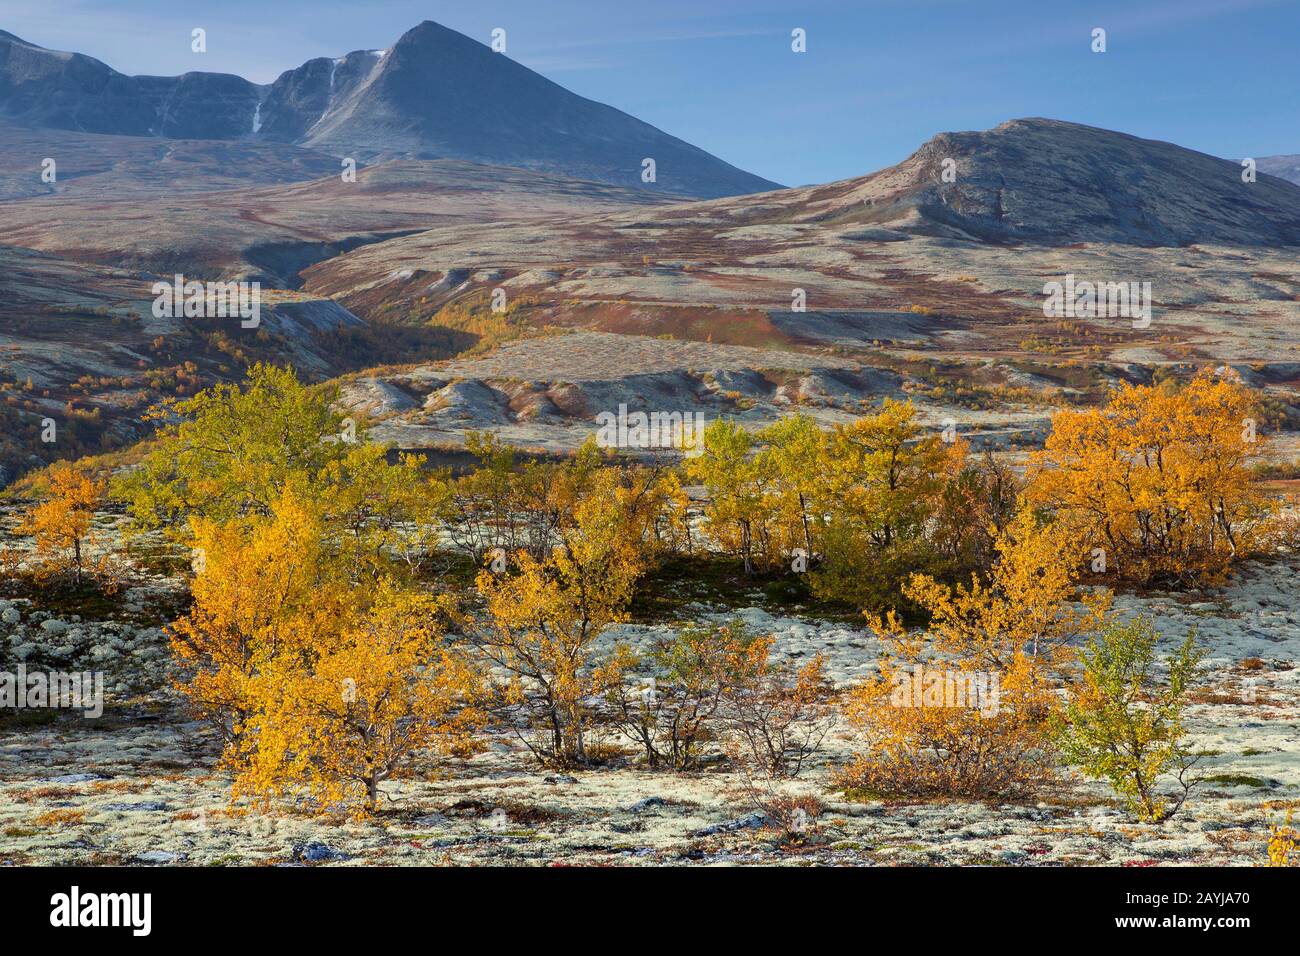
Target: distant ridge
x=1050, y=181
x=1283, y=167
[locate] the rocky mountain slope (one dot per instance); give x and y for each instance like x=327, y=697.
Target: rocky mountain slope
x=102, y=166
x=1043, y=184
x=1042, y=180
x=81, y=347
x=1032, y=198
x=436, y=94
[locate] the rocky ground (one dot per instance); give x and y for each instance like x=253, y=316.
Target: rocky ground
x=138, y=785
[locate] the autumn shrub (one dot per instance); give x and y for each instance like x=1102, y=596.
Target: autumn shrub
x=1121, y=726
x=1283, y=839
x=976, y=504
x=231, y=452
x=863, y=505
x=387, y=515
x=670, y=697
x=1158, y=481
x=1030, y=603
x=264, y=589
x=778, y=713
x=505, y=505
x=508, y=504
x=735, y=518
x=944, y=731
x=963, y=708
x=378, y=693
x=62, y=523
x=543, y=617
x=793, y=816
x=1284, y=529
x=312, y=676
x=789, y=457
x=882, y=481
x=59, y=819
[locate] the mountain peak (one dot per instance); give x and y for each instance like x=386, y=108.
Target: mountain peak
x=431, y=31
x=436, y=94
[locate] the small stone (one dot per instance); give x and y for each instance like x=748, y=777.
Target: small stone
x=750, y=821
x=317, y=853
x=646, y=804
x=157, y=856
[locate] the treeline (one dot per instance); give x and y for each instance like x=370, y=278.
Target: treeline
x=1155, y=489
x=331, y=652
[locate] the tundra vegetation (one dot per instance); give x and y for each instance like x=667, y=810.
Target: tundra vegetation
x=358, y=615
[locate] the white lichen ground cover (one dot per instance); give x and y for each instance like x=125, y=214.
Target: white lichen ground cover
x=139, y=786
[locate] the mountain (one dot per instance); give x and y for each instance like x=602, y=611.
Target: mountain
x=1042, y=180
x=436, y=94
x=1284, y=167
x=1031, y=182
x=47, y=88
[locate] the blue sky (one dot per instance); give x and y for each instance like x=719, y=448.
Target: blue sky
x=879, y=77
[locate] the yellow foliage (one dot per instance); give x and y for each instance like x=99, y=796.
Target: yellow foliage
x=964, y=708
x=265, y=588
x=1030, y=605
x=384, y=513
x=314, y=677
x=510, y=506
x=862, y=501
x=1282, y=841
x=1158, y=479
x=61, y=523
x=942, y=729
x=381, y=690
x=544, y=615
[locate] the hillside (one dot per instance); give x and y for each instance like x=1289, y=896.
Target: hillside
x=926, y=288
